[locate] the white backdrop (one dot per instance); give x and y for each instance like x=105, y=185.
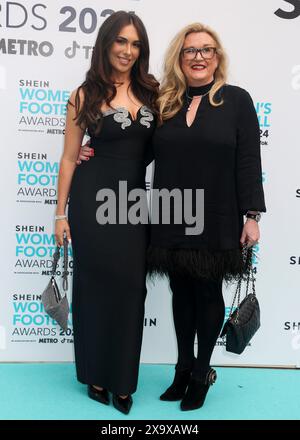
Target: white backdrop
x=44, y=53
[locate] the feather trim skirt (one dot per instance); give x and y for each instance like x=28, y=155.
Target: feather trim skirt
x=228, y=265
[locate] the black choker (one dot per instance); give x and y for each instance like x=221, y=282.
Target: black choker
x=198, y=91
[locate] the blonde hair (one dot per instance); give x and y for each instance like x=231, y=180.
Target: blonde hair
x=174, y=83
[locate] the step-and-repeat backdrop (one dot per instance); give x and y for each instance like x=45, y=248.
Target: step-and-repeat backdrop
x=45, y=50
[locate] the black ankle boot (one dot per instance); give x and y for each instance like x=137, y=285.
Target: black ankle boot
x=99, y=395
x=177, y=389
x=122, y=405
x=196, y=392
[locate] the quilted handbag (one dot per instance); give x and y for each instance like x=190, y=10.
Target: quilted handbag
x=244, y=321
x=56, y=305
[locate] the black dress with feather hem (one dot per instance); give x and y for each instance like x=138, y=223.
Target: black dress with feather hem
x=219, y=153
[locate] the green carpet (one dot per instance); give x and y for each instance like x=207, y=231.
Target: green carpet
x=51, y=391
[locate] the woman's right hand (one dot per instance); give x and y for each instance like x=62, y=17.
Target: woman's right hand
x=62, y=228
x=85, y=153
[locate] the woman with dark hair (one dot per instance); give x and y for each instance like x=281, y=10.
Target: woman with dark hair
x=116, y=104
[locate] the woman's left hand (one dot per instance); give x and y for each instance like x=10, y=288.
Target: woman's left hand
x=250, y=234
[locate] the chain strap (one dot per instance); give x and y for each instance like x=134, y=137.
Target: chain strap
x=247, y=256
x=56, y=257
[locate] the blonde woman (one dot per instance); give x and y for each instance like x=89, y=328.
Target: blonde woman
x=208, y=139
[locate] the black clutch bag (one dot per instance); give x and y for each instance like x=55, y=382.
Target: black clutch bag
x=244, y=321
x=56, y=305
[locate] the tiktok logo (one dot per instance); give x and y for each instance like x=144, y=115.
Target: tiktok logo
x=289, y=14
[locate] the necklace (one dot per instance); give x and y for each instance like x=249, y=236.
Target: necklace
x=193, y=97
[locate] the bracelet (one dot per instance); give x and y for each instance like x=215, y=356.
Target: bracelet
x=60, y=217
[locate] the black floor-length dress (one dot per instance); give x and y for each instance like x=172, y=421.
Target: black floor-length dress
x=109, y=287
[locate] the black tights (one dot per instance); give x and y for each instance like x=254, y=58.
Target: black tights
x=198, y=307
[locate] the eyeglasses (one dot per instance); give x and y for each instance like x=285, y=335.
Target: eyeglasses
x=190, y=53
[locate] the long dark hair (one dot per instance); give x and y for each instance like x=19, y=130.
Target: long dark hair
x=98, y=86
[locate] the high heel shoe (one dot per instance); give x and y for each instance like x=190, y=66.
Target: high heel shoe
x=122, y=405
x=196, y=391
x=101, y=396
x=177, y=389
